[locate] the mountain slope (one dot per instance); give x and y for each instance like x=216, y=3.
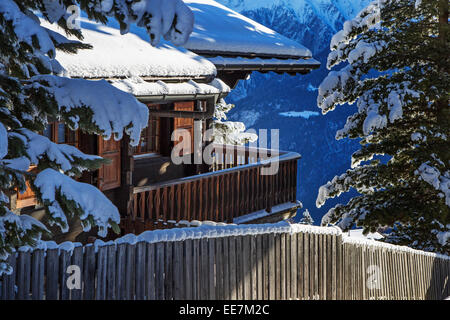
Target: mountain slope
x=271, y=101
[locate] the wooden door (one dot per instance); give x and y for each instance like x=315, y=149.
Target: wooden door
x=109, y=175
x=185, y=123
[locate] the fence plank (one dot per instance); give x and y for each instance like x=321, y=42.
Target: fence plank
x=102, y=258
x=120, y=269
x=77, y=260
x=188, y=270
x=297, y=265
x=334, y=268
x=307, y=266
x=37, y=275
x=282, y=266
x=232, y=267
x=159, y=272
x=178, y=271
x=254, y=268
x=277, y=264
x=246, y=267
x=196, y=269
x=328, y=266
x=9, y=285
x=211, y=268
x=272, y=263
x=89, y=273
x=226, y=270
x=52, y=273
x=130, y=272
x=259, y=268
x=64, y=259
x=23, y=276
x=140, y=270
x=150, y=285
x=111, y=273
x=204, y=277
x=219, y=276
x=315, y=257
x=239, y=269
x=168, y=271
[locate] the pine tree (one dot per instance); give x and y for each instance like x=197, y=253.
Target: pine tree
x=32, y=94
x=397, y=71
x=229, y=132
x=306, y=219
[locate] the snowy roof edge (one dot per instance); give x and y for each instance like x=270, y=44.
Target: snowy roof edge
x=243, y=35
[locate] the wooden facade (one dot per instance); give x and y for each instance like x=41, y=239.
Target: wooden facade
x=152, y=192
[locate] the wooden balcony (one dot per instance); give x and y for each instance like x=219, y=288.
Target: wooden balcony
x=244, y=185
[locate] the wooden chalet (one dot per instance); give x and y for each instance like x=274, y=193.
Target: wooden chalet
x=181, y=88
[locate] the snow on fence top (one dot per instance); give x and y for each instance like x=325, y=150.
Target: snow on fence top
x=205, y=229
x=129, y=55
x=210, y=229
x=220, y=29
x=360, y=241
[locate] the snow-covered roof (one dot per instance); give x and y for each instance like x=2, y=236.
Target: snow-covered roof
x=220, y=29
x=138, y=87
x=130, y=55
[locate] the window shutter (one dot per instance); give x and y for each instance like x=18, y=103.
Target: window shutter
x=109, y=175
x=185, y=123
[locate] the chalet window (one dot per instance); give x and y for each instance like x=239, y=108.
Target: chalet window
x=150, y=136
x=58, y=132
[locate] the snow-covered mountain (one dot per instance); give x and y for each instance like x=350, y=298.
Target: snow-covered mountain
x=271, y=101
x=307, y=21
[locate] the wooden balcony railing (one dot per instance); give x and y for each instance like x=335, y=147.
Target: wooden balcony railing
x=241, y=182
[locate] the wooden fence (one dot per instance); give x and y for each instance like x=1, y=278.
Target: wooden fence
x=311, y=263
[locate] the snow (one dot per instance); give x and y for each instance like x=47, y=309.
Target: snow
x=417, y=136
x=38, y=146
x=139, y=87
x=113, y=110
x=299, y=114
x=443, y=236
x=326, y=190
x=220, y=29
x=433, y=176
x=23, y=224
x=371, y=243
x=87, y=197
x=25, y=27
x=129, y=55
x=373, y=120
x=358, y=233
x=201, y=230
x=229, y=132
x=418, y=3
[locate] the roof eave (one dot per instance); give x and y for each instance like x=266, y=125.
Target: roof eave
x=250, y=55
x=290, y=69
